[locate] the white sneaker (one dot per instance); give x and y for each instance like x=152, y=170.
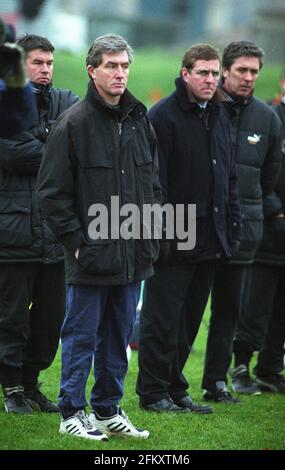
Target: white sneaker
x=118, y=424
x=79, y=425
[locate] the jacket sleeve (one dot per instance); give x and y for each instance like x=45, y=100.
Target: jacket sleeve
x=17, y=110
x=272, y=204
x=164, y=145
x=155, y=167
x=56, y=187
x=272, y=163
x=22, y=153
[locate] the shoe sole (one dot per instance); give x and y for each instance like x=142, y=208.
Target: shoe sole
x=18, y=412
x=125, y=435
x=242, y=392
x=265, y=387
x=105, y=438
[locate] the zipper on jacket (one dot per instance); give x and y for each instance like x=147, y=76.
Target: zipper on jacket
x=120, y=127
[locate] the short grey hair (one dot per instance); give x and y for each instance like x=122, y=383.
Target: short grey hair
x=107, y=44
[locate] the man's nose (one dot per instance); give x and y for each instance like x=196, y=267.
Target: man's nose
x=248, y=76
x=210, y=78
x=45, y=68
x=120, y=71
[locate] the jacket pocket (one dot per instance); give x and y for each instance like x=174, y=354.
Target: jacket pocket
x=15, y=222
x=100, y=257
x=143, y=162
x=96, y=177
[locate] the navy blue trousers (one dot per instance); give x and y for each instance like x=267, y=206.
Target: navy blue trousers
x=97, y=328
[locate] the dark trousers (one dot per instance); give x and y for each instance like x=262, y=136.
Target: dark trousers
x=262, y=324
x=32, y=306
x=256, y=311
x=97, y=327
x=227, y=297
x=173, y=305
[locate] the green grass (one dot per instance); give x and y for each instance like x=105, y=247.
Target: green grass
x=258, y=423
x=152, y=74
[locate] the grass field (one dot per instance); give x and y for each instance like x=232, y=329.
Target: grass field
x=257, y=423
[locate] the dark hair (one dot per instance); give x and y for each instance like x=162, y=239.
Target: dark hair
x=199, y=52
x=239, y=49
x=106, y=45
x=30, y=42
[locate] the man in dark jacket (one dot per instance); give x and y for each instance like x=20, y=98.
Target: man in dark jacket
x=101, y=157
x=196, y=167
x=32, y=295
x=255, y=131
x=261, y=325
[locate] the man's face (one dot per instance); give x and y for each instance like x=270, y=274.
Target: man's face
x=240, y=79
x=111, y=76
x=202, y=80
x=40, y=66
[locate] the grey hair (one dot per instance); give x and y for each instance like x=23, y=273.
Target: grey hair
x=107, y=44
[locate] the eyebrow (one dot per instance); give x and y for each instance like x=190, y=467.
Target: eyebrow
x=109, y=62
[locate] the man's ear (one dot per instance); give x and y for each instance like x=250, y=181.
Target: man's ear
x=185, y=74
x=225, y=72
x=91, y=71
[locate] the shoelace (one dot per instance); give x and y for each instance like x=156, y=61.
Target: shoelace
x=125, y=417
x=83, y=418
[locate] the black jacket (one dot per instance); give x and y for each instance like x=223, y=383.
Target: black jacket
x=272, y=248
x=94, y=152
x=24, y=236
x=255, y=131
x=196, y=167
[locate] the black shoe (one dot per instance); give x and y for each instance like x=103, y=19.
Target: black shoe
x=220, y=396
x=14, y=401
x=242, y=382
x=187, y=402
x=39, y=402
x=273, y=383
x=164, y=405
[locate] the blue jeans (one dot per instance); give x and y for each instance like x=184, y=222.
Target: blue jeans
x=97, y=327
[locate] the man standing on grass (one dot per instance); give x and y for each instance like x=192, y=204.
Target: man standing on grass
x=196, y=167
x=255, y=130
x=32, y=294
x=103, y=148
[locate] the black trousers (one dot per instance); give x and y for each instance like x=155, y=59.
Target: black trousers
x=173, y=305
x=255, y=312
x=32, y=307
x=262, y=322
x=227, y=297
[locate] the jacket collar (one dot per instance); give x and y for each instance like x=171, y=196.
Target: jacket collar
x=128, y=103
x=187, y=101
x=234, y=100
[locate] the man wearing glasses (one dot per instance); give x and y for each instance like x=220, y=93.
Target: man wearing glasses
x=196, y=167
